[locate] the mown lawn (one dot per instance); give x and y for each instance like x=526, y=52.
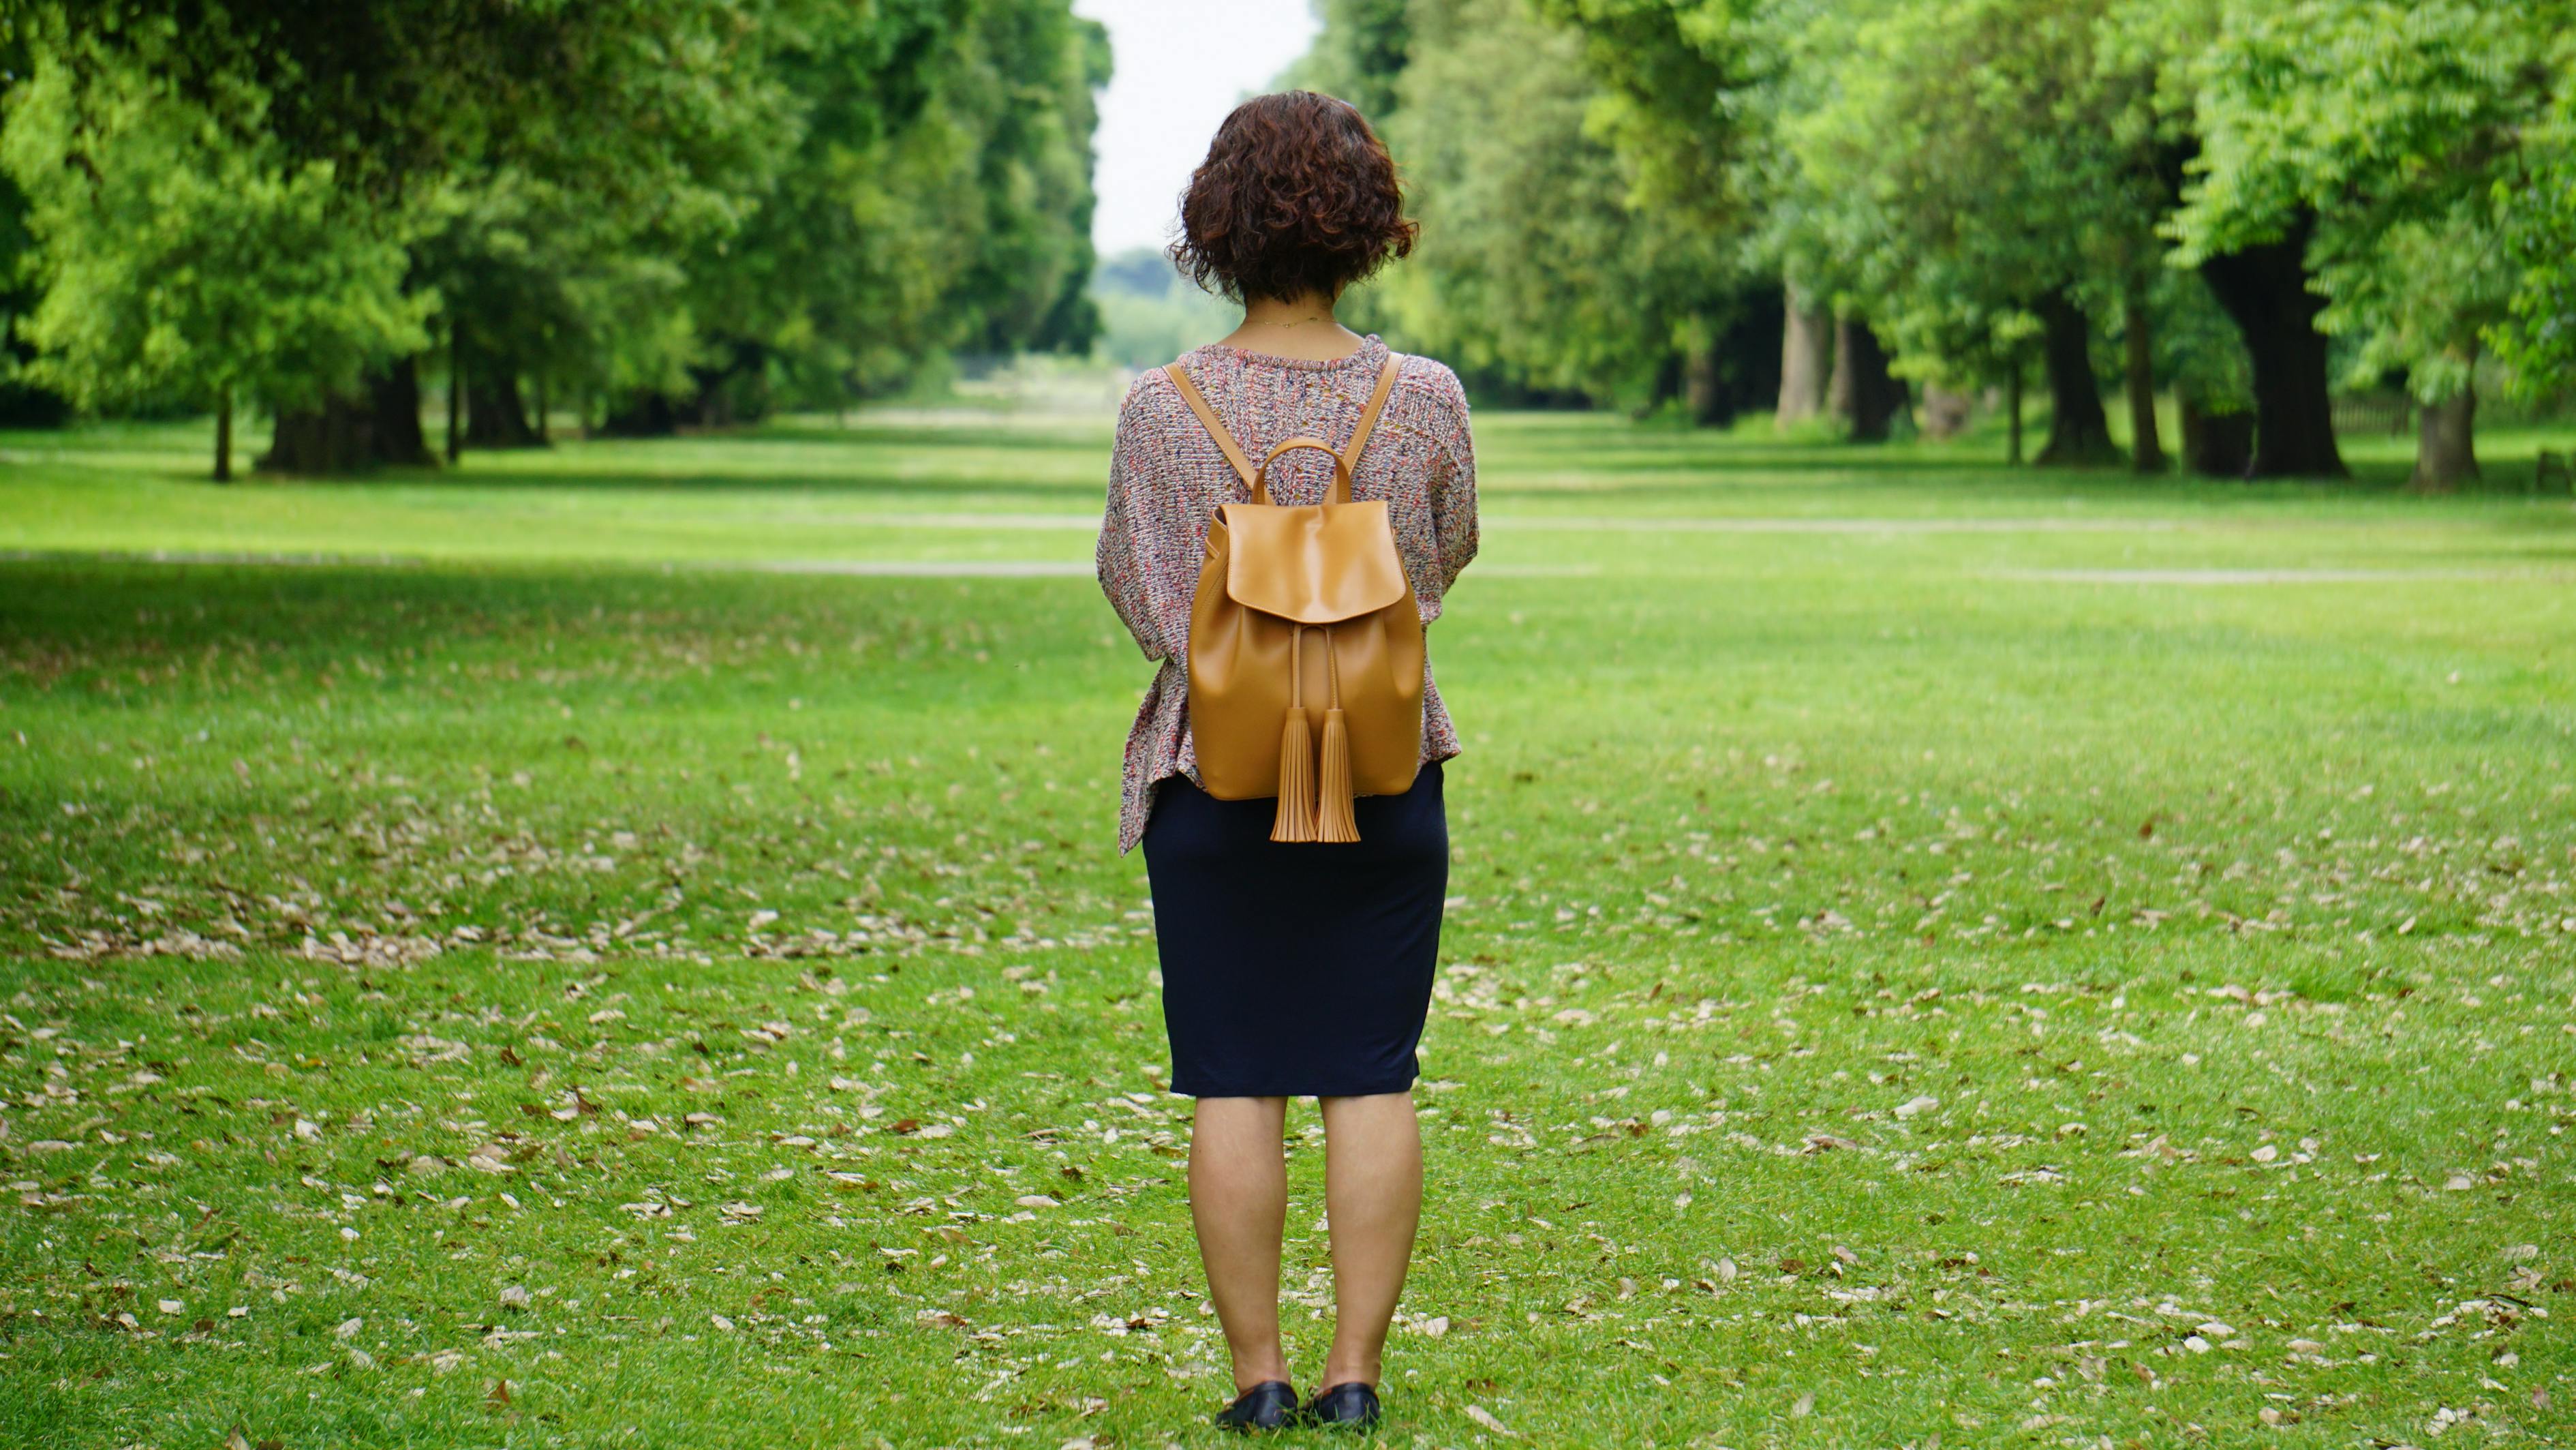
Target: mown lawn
x=625, y=946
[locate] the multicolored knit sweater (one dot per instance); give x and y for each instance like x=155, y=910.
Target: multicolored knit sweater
x=1167, y=478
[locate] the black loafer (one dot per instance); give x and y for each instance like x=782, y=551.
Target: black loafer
x=1269, y=1405
x=1351, y=1406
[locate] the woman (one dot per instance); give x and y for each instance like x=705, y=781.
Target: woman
x=1289, y=970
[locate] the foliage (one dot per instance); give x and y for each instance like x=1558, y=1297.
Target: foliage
x=1533, y=264
x=2539, y=223
x=1359, y=52
x=1675, y=74
x=1973, y=147
x=2402, y=127
x=938, y=196
x=635, y=195
x=176, y=263
x=1540, y=269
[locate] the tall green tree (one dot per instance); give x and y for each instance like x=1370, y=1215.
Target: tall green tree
x=700, y=199
x=179, y=262
x=1991, y=198
x=1534, y=263
x=2389, y=141
x=1698, y=95
x=2538, y=337
x=1538, y=272
x=938, y=197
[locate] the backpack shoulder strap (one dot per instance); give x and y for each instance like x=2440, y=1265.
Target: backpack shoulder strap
x=1198, y=402
x=1376, y=402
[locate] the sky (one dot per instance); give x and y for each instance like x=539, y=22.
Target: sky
x=1180, y=66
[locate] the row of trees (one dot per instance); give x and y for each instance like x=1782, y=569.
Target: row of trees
x=664, y=210
x=2246, y=203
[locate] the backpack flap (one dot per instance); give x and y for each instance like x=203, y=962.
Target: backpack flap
x=1312, y=564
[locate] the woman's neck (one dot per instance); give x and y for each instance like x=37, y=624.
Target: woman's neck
x=1298, y=327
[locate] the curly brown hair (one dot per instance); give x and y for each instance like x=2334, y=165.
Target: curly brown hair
x=1297, y=195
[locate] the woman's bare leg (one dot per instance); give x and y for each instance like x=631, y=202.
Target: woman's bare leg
x=1373, y=1196
x=1239, y=1202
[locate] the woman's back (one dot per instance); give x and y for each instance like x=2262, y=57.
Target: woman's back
x=1168, y=477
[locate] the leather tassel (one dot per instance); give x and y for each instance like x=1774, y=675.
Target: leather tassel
x=1296, y=818
x=1333, y=820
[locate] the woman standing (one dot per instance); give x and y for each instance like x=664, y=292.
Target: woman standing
x=1290, y=970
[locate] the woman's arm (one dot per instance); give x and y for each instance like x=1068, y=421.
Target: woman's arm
x=1453, y=487
x=1134, y=530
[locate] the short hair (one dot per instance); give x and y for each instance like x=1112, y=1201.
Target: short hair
x=1296, y=195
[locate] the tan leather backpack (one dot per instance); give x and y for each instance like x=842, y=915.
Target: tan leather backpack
x=1305, y=651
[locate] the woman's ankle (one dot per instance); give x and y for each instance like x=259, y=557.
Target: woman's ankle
x=1250, y=1370
x=1341, y=1369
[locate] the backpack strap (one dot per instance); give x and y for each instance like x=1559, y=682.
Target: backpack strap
x=1225, y=443
x=1376, y=402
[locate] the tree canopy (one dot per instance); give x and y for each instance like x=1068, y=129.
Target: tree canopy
x=2243, y=203
x=667, y=210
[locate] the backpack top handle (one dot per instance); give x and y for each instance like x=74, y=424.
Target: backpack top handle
x=1340, y=492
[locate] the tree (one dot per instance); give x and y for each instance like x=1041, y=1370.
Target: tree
x=2378, y=143
x=937, y=197
x=177, y=263
x=704, y=198
x=1538, y=273
x=1699, y=95
x=1965, y=161
x=2537, y=338
x=1533, y=263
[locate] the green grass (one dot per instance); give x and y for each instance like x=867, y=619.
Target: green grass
x=1935, y=951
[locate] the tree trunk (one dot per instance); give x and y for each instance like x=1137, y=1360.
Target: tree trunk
x=2079, y=436
x=2216, y=445
x=1945, y=413
x=1668, y=381
x=396, y=394
x=336, y=438
x=2265, y=291
x=538, y=406
x=1862, y=392
x=1704, y=386
x=224, y=435
x=455, y=395
x=2446, y=452
x=1805, y=339
x=494, y=416
x=2146, y=450
x=645, y=415
x=2012, y=394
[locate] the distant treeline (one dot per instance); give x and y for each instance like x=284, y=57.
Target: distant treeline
x=656, y=211
x=1860, y=209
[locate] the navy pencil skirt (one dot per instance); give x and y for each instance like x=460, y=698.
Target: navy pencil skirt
x=1296, y=970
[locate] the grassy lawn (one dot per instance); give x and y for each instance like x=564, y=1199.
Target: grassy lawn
x=625, y=946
